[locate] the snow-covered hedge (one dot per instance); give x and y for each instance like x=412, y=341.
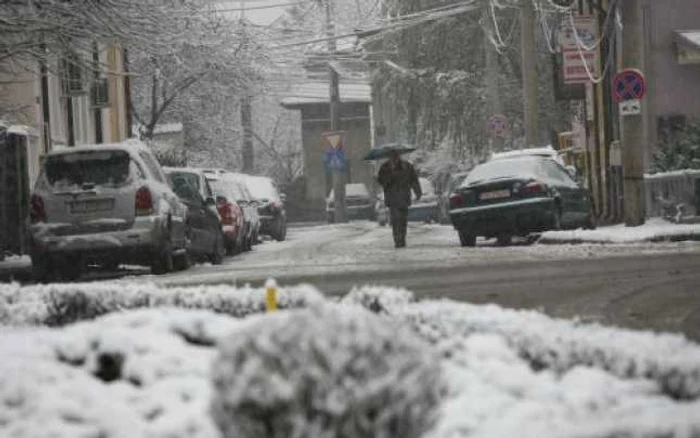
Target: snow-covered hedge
x=54, y=382
x=60, y=304
x=378, y=299
x=561, y=345
x=331, y=369
x=325, y=372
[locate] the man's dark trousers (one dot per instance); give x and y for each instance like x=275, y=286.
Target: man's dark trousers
x=399, y=220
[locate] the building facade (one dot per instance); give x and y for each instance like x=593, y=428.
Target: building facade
x=355, y=108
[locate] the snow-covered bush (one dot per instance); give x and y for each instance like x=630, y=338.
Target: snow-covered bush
x=560, y=345
x=61, y=304
x=138, y=374
x=324, y=372
x=378, y=299
x=495, y=393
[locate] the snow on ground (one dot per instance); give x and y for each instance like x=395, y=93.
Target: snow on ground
x=654, y=230
x=364, y=246
x=148, y=372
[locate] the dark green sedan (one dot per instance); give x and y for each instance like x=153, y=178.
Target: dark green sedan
x=517, y=197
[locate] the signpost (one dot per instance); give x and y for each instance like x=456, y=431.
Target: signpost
x=335, y=160
x=629, y=87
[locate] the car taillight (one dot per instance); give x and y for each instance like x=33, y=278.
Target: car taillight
x=38, y=211
x=226, y=213
x=144, y=202
x=535, y=188
x=456, y=200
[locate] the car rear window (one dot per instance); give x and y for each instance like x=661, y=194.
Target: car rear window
x=525, y=167
x=228, y=189
x=191, y=179
x=262, y=189
x=98, y=168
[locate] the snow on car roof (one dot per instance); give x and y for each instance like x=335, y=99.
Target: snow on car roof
x=127, y=146
x=541, y=152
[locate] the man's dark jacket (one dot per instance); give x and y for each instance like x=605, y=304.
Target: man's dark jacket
x=398, y=181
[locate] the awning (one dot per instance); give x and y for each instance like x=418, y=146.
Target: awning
x=688, y=45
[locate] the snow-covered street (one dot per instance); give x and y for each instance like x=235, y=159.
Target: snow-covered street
x=364, y=247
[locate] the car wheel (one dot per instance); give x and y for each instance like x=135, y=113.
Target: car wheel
x=590, y=223
x=466, y=239
x=382, y=223
x=182, y=262
x=504, y=240
x=219, y=250
x=164, y=261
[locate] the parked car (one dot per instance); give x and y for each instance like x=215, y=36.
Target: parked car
x=203, y=223
x=359, y=203
x=106, y=205
x=426, y=208
x=444, y=198
x=273, y=216
x=232, y=215
x=518, y=196
x=236, y=183
x=423, y=210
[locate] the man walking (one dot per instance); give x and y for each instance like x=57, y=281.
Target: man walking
x=398, y=177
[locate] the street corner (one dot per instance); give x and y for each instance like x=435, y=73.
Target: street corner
x=653, y=231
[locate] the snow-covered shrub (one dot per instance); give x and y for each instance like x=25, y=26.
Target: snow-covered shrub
x=325, y=372
x=53, y=382
x=560, y=345
x=495, y=393
x=378, y=299
x=61, y=304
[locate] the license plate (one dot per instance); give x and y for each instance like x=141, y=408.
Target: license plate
x=498, y=194
x=92, y=206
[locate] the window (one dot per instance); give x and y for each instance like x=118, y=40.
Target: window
x=98, y=168
x=153, y=166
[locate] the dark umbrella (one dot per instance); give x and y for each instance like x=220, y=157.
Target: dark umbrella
x=385, y=150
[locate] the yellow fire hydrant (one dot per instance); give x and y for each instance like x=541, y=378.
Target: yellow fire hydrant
x=271, y=295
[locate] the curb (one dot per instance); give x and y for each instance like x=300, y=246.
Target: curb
x=689, y=237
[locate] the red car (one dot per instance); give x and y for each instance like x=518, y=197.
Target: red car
x=231, y=214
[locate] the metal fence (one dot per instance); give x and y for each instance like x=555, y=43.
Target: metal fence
x=666, y=192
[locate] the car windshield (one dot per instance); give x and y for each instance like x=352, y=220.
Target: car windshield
x=95, y=168
x=523, y=167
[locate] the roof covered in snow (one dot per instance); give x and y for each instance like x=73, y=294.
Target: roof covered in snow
x=689, y=38
x=319, y=92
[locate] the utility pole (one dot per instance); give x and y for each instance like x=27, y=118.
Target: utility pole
x=494, y=105
x=247, y=123
x=247, y=120
x=633, y=140
x=338, y=175
x=529, y=68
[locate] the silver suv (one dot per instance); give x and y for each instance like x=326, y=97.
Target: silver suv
x=105, y=205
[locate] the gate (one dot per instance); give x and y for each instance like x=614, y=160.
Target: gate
x=14, y=190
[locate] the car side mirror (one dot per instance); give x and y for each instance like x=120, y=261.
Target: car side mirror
x=242, y=202
x=210, y=202
x=283, y=197
x=572, y=172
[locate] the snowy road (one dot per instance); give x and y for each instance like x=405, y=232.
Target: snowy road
x=634, y=285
